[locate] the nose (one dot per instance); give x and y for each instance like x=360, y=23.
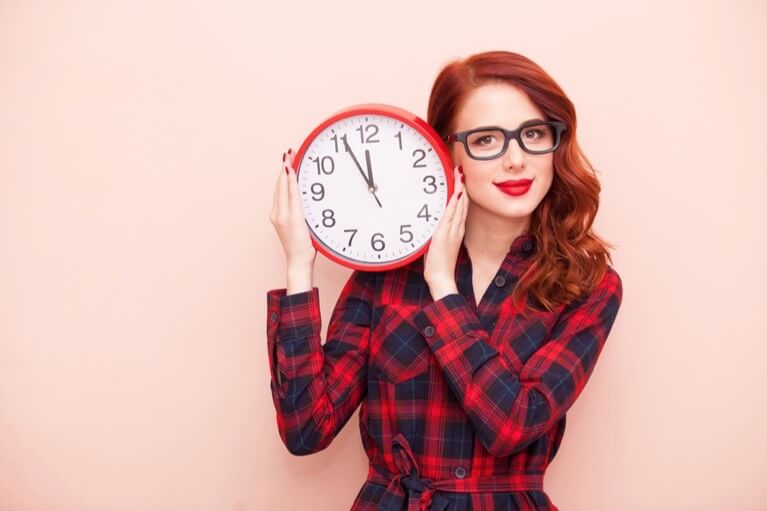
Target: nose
x=514, y=157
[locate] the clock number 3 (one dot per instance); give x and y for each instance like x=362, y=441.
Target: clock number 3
x=432, y=184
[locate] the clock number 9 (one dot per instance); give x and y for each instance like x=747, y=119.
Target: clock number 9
x=321, y=192
x=323, y=165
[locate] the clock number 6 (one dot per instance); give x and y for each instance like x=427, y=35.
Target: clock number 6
x=377, y=244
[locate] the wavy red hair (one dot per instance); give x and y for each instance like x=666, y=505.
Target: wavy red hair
x=569, y=259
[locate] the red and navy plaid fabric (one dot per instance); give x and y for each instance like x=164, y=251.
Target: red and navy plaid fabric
x=463, y=405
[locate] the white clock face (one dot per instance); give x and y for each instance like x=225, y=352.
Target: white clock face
x=373, y=189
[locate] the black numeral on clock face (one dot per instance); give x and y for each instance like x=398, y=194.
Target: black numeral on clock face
x=318, y=190
x=354, y=232
x=431, y=182
x=377, y=244
x=325, y=165
x=369, y=128
x=424, y=212
x=328, y=218
x=403, y=231
x=419, y=154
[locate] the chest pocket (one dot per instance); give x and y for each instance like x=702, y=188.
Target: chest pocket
x=519, y=338
x=398, y=351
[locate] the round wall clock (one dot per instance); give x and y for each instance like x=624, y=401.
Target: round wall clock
x=374, y=181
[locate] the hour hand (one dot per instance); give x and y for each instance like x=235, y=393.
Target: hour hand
x=371, y=184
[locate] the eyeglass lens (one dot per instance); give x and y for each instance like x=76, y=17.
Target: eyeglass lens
x=490, y=143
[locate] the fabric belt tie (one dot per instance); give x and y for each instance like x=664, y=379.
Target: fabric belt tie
x=407, y=487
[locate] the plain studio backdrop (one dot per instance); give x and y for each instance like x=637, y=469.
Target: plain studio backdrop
x=139, y=146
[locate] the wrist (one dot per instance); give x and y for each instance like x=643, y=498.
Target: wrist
x=300, y=278
x=442, y=287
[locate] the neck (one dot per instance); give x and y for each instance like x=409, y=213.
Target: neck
x=488, y=237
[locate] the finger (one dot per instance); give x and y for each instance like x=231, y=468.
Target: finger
x=457, y=222
x=284, y=200
x=295, y=203
x=452, y=204
x=276, y=195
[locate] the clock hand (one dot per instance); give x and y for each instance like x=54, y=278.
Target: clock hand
x=371, y=183
x=370, y=171
x=349, y=149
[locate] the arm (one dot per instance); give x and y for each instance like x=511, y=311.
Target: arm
x=316, y=387
x=510, y=410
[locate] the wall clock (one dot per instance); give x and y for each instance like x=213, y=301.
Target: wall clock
x=374, y=181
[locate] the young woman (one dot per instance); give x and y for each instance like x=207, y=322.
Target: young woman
x=466, y=360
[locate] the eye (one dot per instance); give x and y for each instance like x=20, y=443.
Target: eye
x=533, y=133
x=484, y=140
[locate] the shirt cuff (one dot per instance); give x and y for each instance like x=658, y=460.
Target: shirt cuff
x=292, y=316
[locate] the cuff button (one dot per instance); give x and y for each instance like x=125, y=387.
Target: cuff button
x=274, y=317
x=428, y=331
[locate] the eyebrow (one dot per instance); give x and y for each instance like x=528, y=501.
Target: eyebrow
x=487, y=127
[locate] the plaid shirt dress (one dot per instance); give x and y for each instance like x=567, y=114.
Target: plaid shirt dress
x=463, y=405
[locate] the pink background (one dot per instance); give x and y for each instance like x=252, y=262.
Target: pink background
x=139, y=146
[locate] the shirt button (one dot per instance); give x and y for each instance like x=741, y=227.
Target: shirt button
x=274, y=317
x=500, y=281
x=527, y=246
x=428, y=331
x=460, y=472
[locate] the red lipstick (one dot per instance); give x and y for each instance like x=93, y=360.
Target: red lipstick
x=515, y=186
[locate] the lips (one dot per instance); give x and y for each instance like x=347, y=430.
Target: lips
x=515, y=187
x=515, y=182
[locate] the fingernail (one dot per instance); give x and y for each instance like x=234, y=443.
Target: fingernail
x=290, y=151
x=460, y=169
x=459, y=194
x=463, y=178
x=286, y=170
x=283, y=156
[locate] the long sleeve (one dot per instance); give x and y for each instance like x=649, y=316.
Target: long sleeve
x=510, y=410
x=316, y=387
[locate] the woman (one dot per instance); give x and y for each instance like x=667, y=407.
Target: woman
x=467, y=359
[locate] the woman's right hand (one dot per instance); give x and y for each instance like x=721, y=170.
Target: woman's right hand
x=288, y=218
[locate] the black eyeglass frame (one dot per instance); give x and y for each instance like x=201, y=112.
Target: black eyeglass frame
x=558, y=126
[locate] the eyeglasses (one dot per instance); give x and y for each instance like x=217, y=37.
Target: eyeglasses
x=489, y=142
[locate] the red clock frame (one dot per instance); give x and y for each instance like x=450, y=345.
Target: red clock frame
x=415, y=122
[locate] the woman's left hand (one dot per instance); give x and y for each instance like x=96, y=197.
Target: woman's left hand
x=439, y=263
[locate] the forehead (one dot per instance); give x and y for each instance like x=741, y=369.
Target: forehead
x=496, y=104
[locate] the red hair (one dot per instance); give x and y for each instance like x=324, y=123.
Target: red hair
x=569, y=258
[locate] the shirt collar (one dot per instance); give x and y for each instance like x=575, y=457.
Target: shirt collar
x=523, y=245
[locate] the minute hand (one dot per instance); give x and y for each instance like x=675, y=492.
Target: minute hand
x=359, y=167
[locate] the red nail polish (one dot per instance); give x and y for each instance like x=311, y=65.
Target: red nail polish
x=460, y=169
x=290, y=151
x=463, y=178
x=459, y=194
x=283, y=156
x=287, y=171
